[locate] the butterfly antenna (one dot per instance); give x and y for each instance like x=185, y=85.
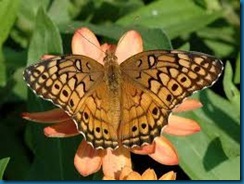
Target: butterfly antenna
x=91, y=42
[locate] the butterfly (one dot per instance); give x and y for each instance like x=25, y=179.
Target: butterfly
x=126, y=104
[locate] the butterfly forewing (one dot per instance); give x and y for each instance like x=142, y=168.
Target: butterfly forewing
x=64, y=80
x=171, y=76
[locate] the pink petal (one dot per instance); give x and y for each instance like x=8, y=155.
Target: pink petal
x=63, y=129
x=114, y=161
x=87, y=159
x=181, y=126
x=51, y=116
x=129, y=44
x=84, y=42
x=144, y=150
x=188, y=105
x=165, y=152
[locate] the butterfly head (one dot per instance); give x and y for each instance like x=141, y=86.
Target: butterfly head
x=110, y=55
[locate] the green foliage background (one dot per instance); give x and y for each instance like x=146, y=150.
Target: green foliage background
x=31, y=28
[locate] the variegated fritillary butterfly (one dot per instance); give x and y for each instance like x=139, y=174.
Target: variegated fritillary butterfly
x=126, y=104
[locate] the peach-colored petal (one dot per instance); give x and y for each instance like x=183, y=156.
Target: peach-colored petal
x=165, y=152
x=144, y=150
x=105, y=47
x=87, y=159
x=188, y=105
x=129, y=44
x=171, y=175
x=108, y=178
x=114, y=161
x=84, y=42
x=134, y=176
x=125, y=172
x=149, y=174
x=181, y=126
x=47, y=56
x=63, y=129
x=51, y=116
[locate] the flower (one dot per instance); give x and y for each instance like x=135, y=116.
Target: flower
x=89, y=160
x=128, y=174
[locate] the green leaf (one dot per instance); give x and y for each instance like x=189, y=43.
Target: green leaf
x=237, y=70
x=14, y=59
x=12, y=145
x=175, y=17
x=27, y=13
x=217, y=143
x=222, y=44
x=185, y=46
x=229, y=169
x=3, y=165
x=46, y=36
x=93, y=11
x=59, y=11
x=223, y=121
x=25, y=23
x=14, y=84
x=2, y=69
x=153, y=38
x=212, y=5
x=18, y=89
x=230, y=89
x=8, y=10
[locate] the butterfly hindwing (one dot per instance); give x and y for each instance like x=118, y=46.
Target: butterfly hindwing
x=142, y=117
x=94, y=119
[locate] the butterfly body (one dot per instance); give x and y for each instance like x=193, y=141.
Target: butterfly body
x=112, y=79
x=124, y=104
